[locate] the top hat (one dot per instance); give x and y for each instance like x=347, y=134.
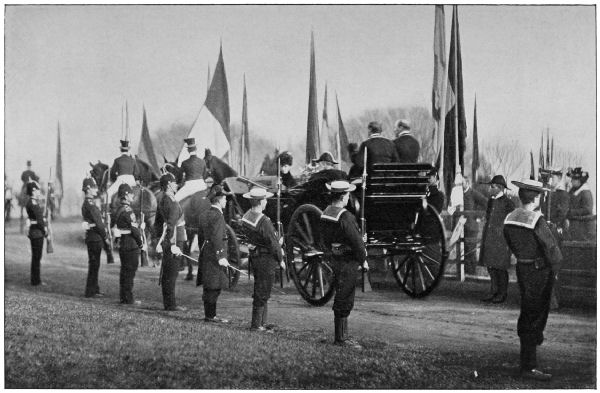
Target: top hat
x=327, y=157
x=191, y=144
x=498, y=179
x=124, y=145
x=207, y=153
x=88, y=183
x=124, y=189
x=286, y=158
x=374, y=126
x=165, y=179
x=339, y=186
x=258, y=193
x=530, y=184
x=403, y=124
x=28, y=162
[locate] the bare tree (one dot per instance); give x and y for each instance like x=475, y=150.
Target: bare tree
x=504, y=158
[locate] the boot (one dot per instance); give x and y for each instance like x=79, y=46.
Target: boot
x=268, y=326
x=257, y=319
x=341, y=334
x=109, y=258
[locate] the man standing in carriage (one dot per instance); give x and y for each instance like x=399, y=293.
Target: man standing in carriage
x=123, y=171
x=194, y=172
x=378, y=147
x=342, y=239
x=406, y=144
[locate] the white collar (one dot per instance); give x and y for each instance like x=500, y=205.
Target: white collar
x=403, y=133
x=501, y=193
x=218, y=208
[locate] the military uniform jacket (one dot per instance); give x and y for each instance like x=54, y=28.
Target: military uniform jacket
x=194, y=168
x=338, y=225
x=29, y=175
x=582, y=202
x=172, y=215
x=91, y=215
x=379, y=149
x=529, y=238
x=125, y=221
x=215, y=248
x=261, y=233
x=123, y=165
x=436, y=198
x=35, y=213
x=494, y=250
x=407, y=147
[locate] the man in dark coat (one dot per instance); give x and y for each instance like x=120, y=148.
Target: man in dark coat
x=495, y=254
x=538, y=262
x=37, y=230
x=473, y=201
x=29, y=175
x=581, y=206
x=194, y=172
x=378, y=148
x=343, y=241
x=406, y=144
x=265, y=254
x=214, y=253
x=95, y=236
x=124, y=170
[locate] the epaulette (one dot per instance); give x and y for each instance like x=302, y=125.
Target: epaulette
x=332, y=213
x=523, y=218
x=251, y=218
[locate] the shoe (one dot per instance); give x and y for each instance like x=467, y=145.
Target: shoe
x=498, y=299
x=259, y=329
x=176, y=308
x=216, y=320
x=488, y=299
x=536, y=375
x=348, y=343
x=98, y=295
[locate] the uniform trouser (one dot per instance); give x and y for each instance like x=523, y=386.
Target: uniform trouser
x=94, y=250
x=129, y=179
x=190, y=187
x=344, y=282
x=129, y=263
x=37, y=248
x=535, y=286
x=498, y=281
x=264, y=275
x=170, y=270
x=209, y=297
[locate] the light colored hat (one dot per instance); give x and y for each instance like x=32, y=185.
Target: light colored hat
x=340, y=186
x=531, y=185
x=258, y=193
x=403, y=123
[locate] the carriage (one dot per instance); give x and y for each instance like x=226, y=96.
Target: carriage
x=401, y=228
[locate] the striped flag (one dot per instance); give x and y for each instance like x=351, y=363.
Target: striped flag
x=211, y=127
x=145, y=149
x=312, y=127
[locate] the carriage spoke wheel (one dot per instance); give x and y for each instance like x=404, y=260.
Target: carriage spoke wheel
x=309, y=267
x=419, y=271
x=233, y=256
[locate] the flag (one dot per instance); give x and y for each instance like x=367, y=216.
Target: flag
x=324, y=136
x=475, y=162
x=58, y=186
x=532, y=168
x=245, y=138
x=211, y=127
x=342, y=137
x=547, y=147
x=455, y=126
x=439, y=63
x=541, y=157
x=312, y=127
x=145, y=149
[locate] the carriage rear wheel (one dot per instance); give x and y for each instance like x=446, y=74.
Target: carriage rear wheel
x=309, y=267
x=233, y=256
x=419, y=270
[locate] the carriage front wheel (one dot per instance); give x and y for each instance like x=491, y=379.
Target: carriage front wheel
x=420, y=267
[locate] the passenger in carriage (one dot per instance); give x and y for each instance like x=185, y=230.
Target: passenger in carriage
x=406, y=144
x=123, y=171
x=343, y=241
x=435, y=197
x=285, y=163
x=378, y=148
x=194, y=172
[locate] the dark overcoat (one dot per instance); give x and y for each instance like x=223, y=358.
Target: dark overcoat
x=494, y=250
x=215, y=247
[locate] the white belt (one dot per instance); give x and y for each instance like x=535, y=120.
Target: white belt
x=91, y=225
x=124, y=231
x=32, y=222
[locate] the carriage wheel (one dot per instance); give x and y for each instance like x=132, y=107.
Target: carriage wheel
x=233, y=256
x=308, y=265
x=419, y=271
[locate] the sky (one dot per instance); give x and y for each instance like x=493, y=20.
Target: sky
x=531, y=67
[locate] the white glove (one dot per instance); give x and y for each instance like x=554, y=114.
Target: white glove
x=223, y=262
x=282, y=265
x=116, y=232
x=145, y=247
x=85, y=225
x=143, y=225
x=159, y=249
x=365, y=266
x=176, y=250
x=281, y=241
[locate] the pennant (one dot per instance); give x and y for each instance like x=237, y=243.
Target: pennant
x=58, y=186
x=324, y=137
x=547, y=147
x=312, y=127
x=532, y=168
x=145, y=149
x=245, y=138
x=342, y=137
x=475, y=162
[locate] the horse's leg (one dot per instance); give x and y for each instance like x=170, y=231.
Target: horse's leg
x=190, y=233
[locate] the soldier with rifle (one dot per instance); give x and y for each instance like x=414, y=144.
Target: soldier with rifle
x=37, y=230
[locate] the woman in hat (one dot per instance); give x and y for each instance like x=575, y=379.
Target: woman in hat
x=266, y=254
x=37, y=229
x=95, y=236
x=538, y=262
x=342, y=239
x=581, y=206
x=285, y=165
x=495, y=254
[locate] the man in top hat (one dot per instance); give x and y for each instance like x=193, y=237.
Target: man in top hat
x=265, y=254
x=343, y=241
x=285, y=164
x=495, y=254
x=406, y=144
x=29, y=175
x=37, y=229
x=377, y=148
x=172, y=239
x=123, y=170
x=95, y=236
x=581, y=206
x=130, y=246
x=194, y=172
x=214, y=253
x=538, y=262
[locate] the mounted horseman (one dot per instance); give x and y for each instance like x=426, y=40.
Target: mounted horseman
x=193, y=171
x=123, y=170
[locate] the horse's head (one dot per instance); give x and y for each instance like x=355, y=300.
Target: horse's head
x=173, y=169
x=98, y=173
x=218, y=169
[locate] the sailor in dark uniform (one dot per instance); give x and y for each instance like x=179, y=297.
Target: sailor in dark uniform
x=265, y=254
x=406, y=144
x=538, y=262
x=194, y=172
x=131, y=244
x=37, y=230
x=214, y=253
x=173, y=238
x=124, y=170
x=378, y=148
x=285, y=163
x=342, y=239
x=95, y=236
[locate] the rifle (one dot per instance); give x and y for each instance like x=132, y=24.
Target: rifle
x=363, y=224
x=49, y=240
x=108, y=247
x=144, y=253
x=279, y=223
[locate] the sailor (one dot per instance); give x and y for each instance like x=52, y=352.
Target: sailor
x=285, y=163
x=194, y=172
x=265, y=254
x=37, y=229
x=379, y=148
x=130, y=246
x=173, y=239
x=406, y=144
x=123, y=171
x=342, y=239
x=538, y=262
x=95, y=236
x=214, y=253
